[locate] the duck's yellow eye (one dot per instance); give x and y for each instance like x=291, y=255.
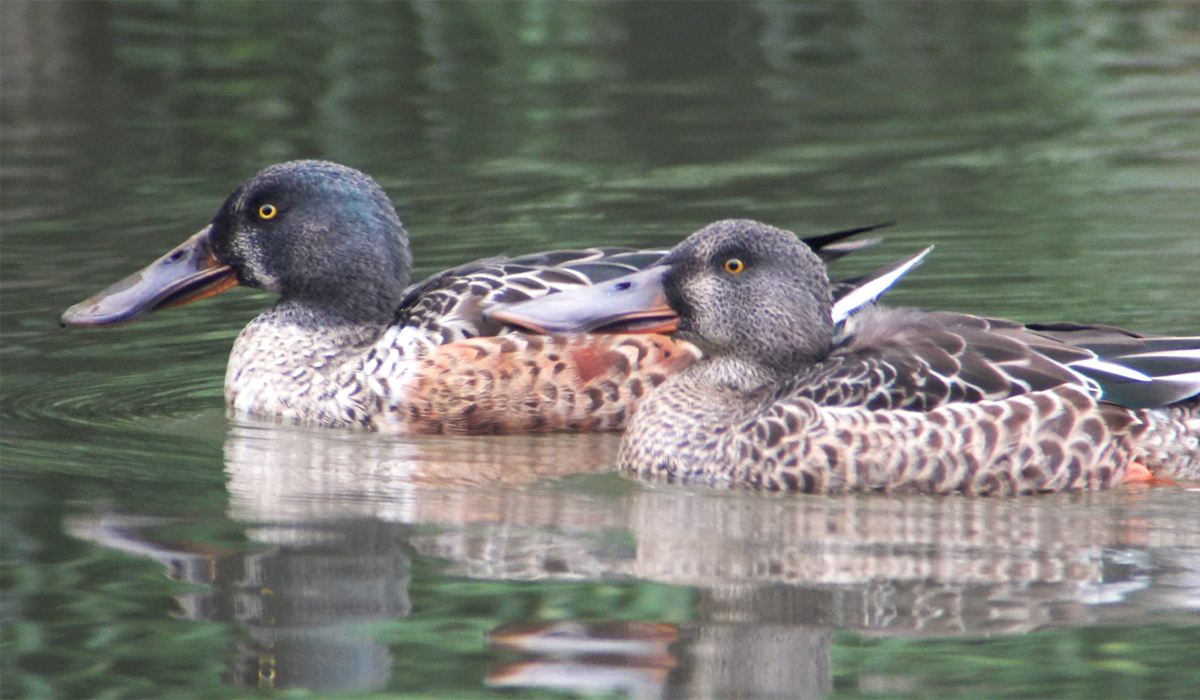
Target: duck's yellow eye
x=734, y=266
x=267, y=211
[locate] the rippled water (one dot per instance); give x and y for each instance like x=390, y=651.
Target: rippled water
x=1050, y=151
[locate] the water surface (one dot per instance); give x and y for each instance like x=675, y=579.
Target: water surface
x=1050, y=151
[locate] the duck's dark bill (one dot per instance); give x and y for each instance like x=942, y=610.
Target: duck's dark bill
x=187, y=273
x=630, y=304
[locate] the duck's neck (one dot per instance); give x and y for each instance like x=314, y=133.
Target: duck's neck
x=292, y=312
x=734, y=374
x=287, y=356
x=691, y=422
x=713, y=392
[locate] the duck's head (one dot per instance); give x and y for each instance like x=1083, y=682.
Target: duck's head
x=737, y=288
x=317, y=233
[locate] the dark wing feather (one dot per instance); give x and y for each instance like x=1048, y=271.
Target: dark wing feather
x=905, y=358
x=911, y=359
x=1169, y=366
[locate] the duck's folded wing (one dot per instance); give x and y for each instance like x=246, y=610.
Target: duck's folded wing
x=1133, y=370
x=906, y=358
x=918, y=360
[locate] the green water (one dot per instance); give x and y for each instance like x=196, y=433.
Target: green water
x=154, y=548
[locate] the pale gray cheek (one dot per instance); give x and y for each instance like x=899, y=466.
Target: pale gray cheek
x=716, y=314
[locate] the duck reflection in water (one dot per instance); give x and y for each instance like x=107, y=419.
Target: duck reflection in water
x=339, y=525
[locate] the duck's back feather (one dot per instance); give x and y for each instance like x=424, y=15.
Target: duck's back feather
x=913, y=359
x=1134, y=370
x=449, y=305
x=918, y=360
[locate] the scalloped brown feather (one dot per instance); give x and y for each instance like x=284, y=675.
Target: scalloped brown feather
x=1061, y=439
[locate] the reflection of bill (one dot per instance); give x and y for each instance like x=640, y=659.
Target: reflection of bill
x=721, y=658
x=304, y=596
x=624, y=657
x=648, y=641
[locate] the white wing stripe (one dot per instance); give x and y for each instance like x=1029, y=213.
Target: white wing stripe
x=1111, y=368
x=872, y=290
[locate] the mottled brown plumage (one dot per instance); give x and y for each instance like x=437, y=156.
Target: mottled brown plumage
x=1055, y=440
x=520, y=383
x=490, y=384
